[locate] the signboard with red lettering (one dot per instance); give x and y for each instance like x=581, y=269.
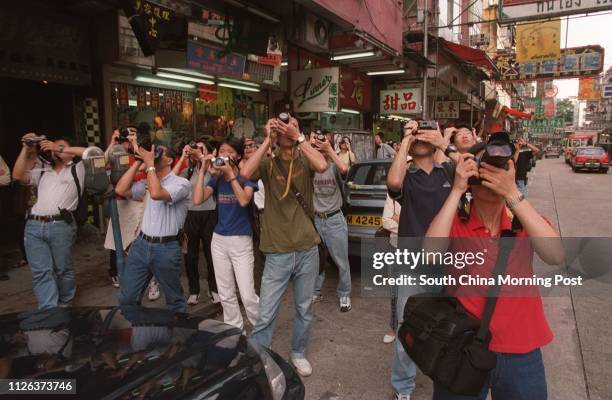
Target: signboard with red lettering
x=447, y=109
x=400, y=101
x=355, y=90
x=212, y=61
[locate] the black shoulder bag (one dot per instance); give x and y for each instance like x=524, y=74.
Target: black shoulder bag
x=448, y=344
x=309, y=213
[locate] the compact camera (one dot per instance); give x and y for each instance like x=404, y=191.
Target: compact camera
x=220, y=161
x=285, y=117
x=44, y=156
x=428, y=125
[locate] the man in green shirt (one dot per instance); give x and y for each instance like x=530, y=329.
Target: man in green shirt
x=288, y=237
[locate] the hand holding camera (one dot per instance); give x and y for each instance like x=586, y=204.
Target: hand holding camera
x=410, y=128
x=148, y=157
x=466, y=168
x=323, y=145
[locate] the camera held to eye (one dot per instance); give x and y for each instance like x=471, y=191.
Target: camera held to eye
x=123, y=135
x=193, y=145
x=221, y=161
x=428, y=125
x=44, y=156
x=497, y=153
x=285, y=117
x=321, y=137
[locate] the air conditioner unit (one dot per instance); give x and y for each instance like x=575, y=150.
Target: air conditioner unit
x=479, y=39
x=316, y=33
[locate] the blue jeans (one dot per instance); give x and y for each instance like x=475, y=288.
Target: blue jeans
x=145, y=259
x=48, y=247
x=516, y=377
x=303, y=266
x=522, y=186
x=334, y=233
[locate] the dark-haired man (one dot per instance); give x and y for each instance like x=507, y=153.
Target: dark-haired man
x=157, y=250
x=383, y=149
x=51, y=228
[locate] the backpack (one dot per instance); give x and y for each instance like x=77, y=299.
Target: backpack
x=346, y=202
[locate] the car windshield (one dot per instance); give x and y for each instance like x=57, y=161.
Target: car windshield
x=594, y=151
x=370, y=174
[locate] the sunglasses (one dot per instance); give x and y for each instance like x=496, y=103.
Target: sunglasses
x=249, y=145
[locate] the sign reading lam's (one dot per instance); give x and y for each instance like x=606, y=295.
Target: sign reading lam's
x=315, y=90
x=400, y=101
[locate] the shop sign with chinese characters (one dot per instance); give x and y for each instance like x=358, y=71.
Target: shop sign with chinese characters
x=400, y=101
x=447, y=109
x=315, y=90
x=212, y=61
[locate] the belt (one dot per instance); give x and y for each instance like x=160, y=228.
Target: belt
x=328, y=215
x=46, y=218
x=159, y=239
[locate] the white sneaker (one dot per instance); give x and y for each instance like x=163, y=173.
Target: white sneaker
x=317, y=298
x=345, y=304
x=402, y=396
x=388, y=338
x=214, y=298
x=302, y=366
x=115, y=281
x=153, y=290
x=193, y=299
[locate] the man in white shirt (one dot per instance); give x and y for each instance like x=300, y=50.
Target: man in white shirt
x=51, y=229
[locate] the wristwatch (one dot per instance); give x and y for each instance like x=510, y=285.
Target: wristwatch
x=513, y=202
x=60, y=148
x=151, y=169
x=451, y=148
x=301, y=138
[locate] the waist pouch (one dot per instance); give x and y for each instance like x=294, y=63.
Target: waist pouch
x=441, y=338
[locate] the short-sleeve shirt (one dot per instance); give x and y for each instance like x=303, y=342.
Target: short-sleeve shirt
x=285, y=227
x=209, y=204
x=385, y=151
x=164, y=218
x=233, y=219
x=327, y=194
x=522, y=164
x=518, y=324
x=56, y=190
x=421, y=198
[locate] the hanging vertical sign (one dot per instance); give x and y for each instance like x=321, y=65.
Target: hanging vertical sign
x=122, y=95
x=178, y=102
x=141, y=98
x=154, y=99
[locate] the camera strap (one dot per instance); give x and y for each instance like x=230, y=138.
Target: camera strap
x=298, y=196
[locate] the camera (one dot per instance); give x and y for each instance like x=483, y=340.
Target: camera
x=321, y=136
x=428, y=125
x=193, y=145
x=497, y=153
x=220, y=161
x=285, y=117
x=44, y=156
x=123, y=135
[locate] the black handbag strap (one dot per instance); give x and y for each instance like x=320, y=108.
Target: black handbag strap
x=298, y=196
x=505, y=247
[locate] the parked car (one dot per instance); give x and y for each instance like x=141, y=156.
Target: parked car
x=367, y=185
x=552, y=151
x=132, y=352
x=590, y=158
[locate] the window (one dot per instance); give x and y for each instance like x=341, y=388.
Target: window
x=379, y=175
x=593, y=151
x=360, y=174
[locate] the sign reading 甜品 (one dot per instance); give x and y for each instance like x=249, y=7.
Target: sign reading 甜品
x=400, y=101
x=315, y=90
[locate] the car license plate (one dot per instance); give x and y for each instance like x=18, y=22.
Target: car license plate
x=363, y=220
x=592, y=163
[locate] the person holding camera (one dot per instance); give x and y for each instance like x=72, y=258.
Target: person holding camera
x=496, y=201
x=288, y=236
x=130, y=211
x=232, y=242
x=51, y=228
x=330, y=221
x=346, y=153
x=421, y=188
x=157, y=250
x=199, y=224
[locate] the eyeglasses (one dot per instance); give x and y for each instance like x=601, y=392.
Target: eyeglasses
x=249, y=145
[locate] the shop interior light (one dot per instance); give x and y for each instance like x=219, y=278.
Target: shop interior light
x=238, y=82
x=158, y=81
x=184, y=71
x=349, y=111
x=185, y=78
x=284, y=64
x=232, y=86
x=353, y=55
x=389, y=72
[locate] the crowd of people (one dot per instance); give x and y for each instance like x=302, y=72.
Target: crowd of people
x=277, y=204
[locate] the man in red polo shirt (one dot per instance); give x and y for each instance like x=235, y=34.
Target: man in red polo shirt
x=518, y=326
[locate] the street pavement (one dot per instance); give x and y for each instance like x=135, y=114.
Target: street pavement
x=346, y=350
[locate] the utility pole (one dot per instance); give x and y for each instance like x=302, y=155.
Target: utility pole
x=425, y=68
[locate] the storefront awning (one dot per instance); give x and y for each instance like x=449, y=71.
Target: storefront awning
x=469, y=54
x=516, y=113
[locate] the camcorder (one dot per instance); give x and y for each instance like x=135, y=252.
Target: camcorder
x=143, y=139
x=44, y=156
x=285, y=117
x=497, y=152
